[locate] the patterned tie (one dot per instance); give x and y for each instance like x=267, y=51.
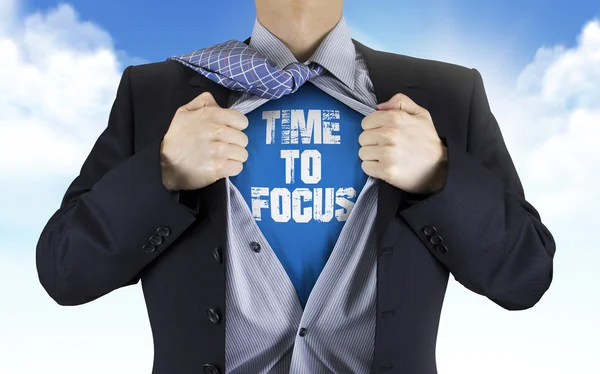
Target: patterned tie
x=238, y=67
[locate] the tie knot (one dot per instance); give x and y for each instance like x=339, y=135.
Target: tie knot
x=301, y=73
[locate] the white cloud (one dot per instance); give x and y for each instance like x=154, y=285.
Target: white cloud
x=575, y=74
x=552, y=120
x=58, y=77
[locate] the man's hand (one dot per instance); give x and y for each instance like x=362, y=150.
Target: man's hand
x=400, y=145
x=204, y=143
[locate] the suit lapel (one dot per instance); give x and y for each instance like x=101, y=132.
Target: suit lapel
x=389, y=76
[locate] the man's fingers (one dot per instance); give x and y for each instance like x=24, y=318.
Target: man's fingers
x=402, y=102
x=212, y=112
x=225, y=116
x=232, y=136
x=237, y=153
x=377, y=137
x=230, y=168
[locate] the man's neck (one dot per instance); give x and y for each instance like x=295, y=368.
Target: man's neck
x=300, y=28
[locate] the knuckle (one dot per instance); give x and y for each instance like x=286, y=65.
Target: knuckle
x=217, y=149
x=217, y=131
x=390, y=133
x=388, y=153
x=222, y=167
x=208, y=132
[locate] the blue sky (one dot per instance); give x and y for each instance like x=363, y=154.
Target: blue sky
x=162, y=28
x=61, y=63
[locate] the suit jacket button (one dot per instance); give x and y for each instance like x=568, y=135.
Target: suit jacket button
x=163, y=231
x=155, y=240
x=441, y=248
x=217, y=254
x=148, y=248
x=429, y=230
x=210, y=369
x=436, y=239
x=213, y=316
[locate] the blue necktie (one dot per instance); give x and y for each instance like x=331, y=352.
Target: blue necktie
x=239, y=67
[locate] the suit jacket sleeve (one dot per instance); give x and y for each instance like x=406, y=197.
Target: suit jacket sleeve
x=496, y=243
x=93, y=242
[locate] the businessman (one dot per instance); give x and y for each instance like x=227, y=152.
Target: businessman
x=296, y=202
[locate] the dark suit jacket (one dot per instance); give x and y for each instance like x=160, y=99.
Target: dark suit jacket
x=479, y=227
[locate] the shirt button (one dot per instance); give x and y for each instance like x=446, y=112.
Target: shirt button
x=163, y=231
x=441, y=248
x=213, y=316
x=148, y=248
x=429, y=230
x=302, y=332
x=436, y=239
x=210, y=369
x=155, y=240
x=255, y=246
x=217, y=254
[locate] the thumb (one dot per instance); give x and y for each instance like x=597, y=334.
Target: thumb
x=401, y=102
x=200, y=101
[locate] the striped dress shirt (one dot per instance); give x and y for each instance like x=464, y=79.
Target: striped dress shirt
x=267, y=331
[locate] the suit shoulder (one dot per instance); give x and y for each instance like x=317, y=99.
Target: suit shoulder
x=162, y=74
x=435, y=65
x=435, y=74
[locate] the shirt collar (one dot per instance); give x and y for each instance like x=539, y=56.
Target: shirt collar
x=336, y=53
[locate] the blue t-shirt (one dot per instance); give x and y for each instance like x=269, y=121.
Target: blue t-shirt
x=302, y=178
